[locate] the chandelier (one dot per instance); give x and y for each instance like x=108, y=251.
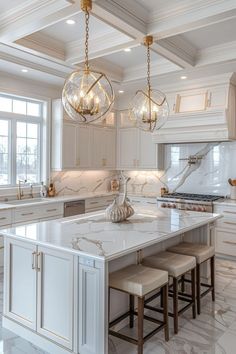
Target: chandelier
x=87, y=94
x=149, y=108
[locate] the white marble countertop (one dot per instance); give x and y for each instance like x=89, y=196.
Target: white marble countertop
x=226, y=201
x=93, y=236
x=63, y=198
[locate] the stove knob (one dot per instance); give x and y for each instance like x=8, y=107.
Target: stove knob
x=174, y=206
x=169, y=205
x=199, y=208
x=194, y=208
x=163, y=205
x=204, y=209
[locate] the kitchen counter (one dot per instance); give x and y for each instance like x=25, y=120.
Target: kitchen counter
x=225, y=202
x=64, y=198
x=92, y=235
x=64, y=264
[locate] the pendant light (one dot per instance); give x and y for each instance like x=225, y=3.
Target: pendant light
x=87, y=94
x=149, y=108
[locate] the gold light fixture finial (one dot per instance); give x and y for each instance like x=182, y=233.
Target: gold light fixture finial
x=149, y=108
x=87, y=94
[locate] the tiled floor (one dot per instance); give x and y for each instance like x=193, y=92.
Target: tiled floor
x=213, y=332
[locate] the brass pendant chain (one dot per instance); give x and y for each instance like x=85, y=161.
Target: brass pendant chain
x=149, y=84
x=87, y=40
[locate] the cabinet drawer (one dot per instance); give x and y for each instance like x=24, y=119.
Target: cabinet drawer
x=226, y=223
x=5, y=217
x=227, y=211
x=26, y=214
x=98, y=203
x=51, y=210
x=225, y=242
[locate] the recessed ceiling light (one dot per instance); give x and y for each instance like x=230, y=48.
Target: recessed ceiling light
x=121, y=91
x=127, y=50
x=183, y=77
x=24, y=70
x=70, y=22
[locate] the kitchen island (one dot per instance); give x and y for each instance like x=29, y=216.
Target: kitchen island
x=56, y=272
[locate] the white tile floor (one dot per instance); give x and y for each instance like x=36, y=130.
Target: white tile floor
x=213, y=332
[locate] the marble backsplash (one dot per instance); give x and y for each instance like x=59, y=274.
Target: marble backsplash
x=215, y=163
x=79, y=182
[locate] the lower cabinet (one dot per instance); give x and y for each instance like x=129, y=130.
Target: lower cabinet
x=39, y=289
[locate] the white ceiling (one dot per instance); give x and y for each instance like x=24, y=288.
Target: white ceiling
x=34, y=34
x=66, y=33
x=136, y=57
x=215, y=34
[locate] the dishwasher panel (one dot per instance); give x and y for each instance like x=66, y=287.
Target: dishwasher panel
x=74, y=208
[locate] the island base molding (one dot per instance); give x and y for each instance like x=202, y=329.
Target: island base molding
x=33, y=337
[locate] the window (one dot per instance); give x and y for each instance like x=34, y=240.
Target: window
x=21, y=129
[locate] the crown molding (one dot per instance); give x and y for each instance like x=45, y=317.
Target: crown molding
x=42, y=43
x=188, y=16
x=108, y=43
x=216, y=54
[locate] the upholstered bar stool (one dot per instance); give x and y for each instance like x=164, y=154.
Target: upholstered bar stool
x=139, y=281
x=176, y=265
x=202, y=253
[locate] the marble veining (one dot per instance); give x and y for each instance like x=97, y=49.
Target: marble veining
x=93, y=235
x=213, y=332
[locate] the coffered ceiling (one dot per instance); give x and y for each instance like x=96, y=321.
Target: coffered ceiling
x=191, y=36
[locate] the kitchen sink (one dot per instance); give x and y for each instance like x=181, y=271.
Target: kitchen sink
x=26, y=201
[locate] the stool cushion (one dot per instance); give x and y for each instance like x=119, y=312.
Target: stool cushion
x=175, y=264
x=137, y=279
x=200, y=251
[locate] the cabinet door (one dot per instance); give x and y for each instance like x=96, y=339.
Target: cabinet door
x=127, y=148
x=20, y=282
x=83, y=141
x=55, y=296
x=69, y=146
x=225, y=241
x=103, y=148
x=147, y=151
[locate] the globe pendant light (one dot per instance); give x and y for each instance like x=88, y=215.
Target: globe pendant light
x=87, y=94
x=149, y=108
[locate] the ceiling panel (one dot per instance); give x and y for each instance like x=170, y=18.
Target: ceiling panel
x=136, y=57
x=67, y=33
x=218, y=33
x=9, y=5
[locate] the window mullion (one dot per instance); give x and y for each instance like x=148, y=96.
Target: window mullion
x=13, y=152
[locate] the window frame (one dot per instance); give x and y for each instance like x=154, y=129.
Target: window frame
x=13, y=118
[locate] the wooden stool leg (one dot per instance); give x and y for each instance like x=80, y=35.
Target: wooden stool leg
x=161, y=298
x=131, y=308
x=193, y=286
x=165, y=313
x=109, y=299
x=175, y=304
x=213, y=277
x=182, y=284
x=198, y=289
x=140, y=324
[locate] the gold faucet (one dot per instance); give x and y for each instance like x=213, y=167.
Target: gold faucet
x=20, y=193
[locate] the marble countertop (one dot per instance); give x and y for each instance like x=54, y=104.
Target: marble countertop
x=63, y=198
x=92, y=235
x=226, y=201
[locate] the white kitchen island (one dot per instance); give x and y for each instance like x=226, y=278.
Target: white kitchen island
x=56, y=272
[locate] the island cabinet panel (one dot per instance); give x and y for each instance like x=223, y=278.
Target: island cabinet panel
x=90, y=311
x=55, y=296
x=20, y=283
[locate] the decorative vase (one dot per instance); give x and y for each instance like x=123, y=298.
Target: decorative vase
x=121, y=208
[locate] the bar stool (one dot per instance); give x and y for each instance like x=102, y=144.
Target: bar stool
x=139, y=281
x=176, y=265
x=202, y=253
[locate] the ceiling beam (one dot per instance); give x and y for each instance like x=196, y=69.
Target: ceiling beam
x=41, y=14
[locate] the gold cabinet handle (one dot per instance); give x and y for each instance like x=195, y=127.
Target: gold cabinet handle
x=25, y=214
x=34, y=260
x=230, y=242
x=229, y=223
x=51, y=210
x=39, y=261
x=3, y=218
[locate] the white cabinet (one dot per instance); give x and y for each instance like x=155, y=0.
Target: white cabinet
x=225, y=231
x=39, y=284
x=104, y=148
x=20, y=303
x=77, y=146
x=137, y=151
x=55, y=296
x=98, y=203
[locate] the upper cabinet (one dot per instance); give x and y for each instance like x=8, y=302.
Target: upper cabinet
x=78, y=147
x=135, y=148
x=201, y=111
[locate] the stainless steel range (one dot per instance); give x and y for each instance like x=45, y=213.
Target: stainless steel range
x=188, y=201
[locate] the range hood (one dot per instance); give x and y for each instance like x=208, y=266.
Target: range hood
x=201, y=112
